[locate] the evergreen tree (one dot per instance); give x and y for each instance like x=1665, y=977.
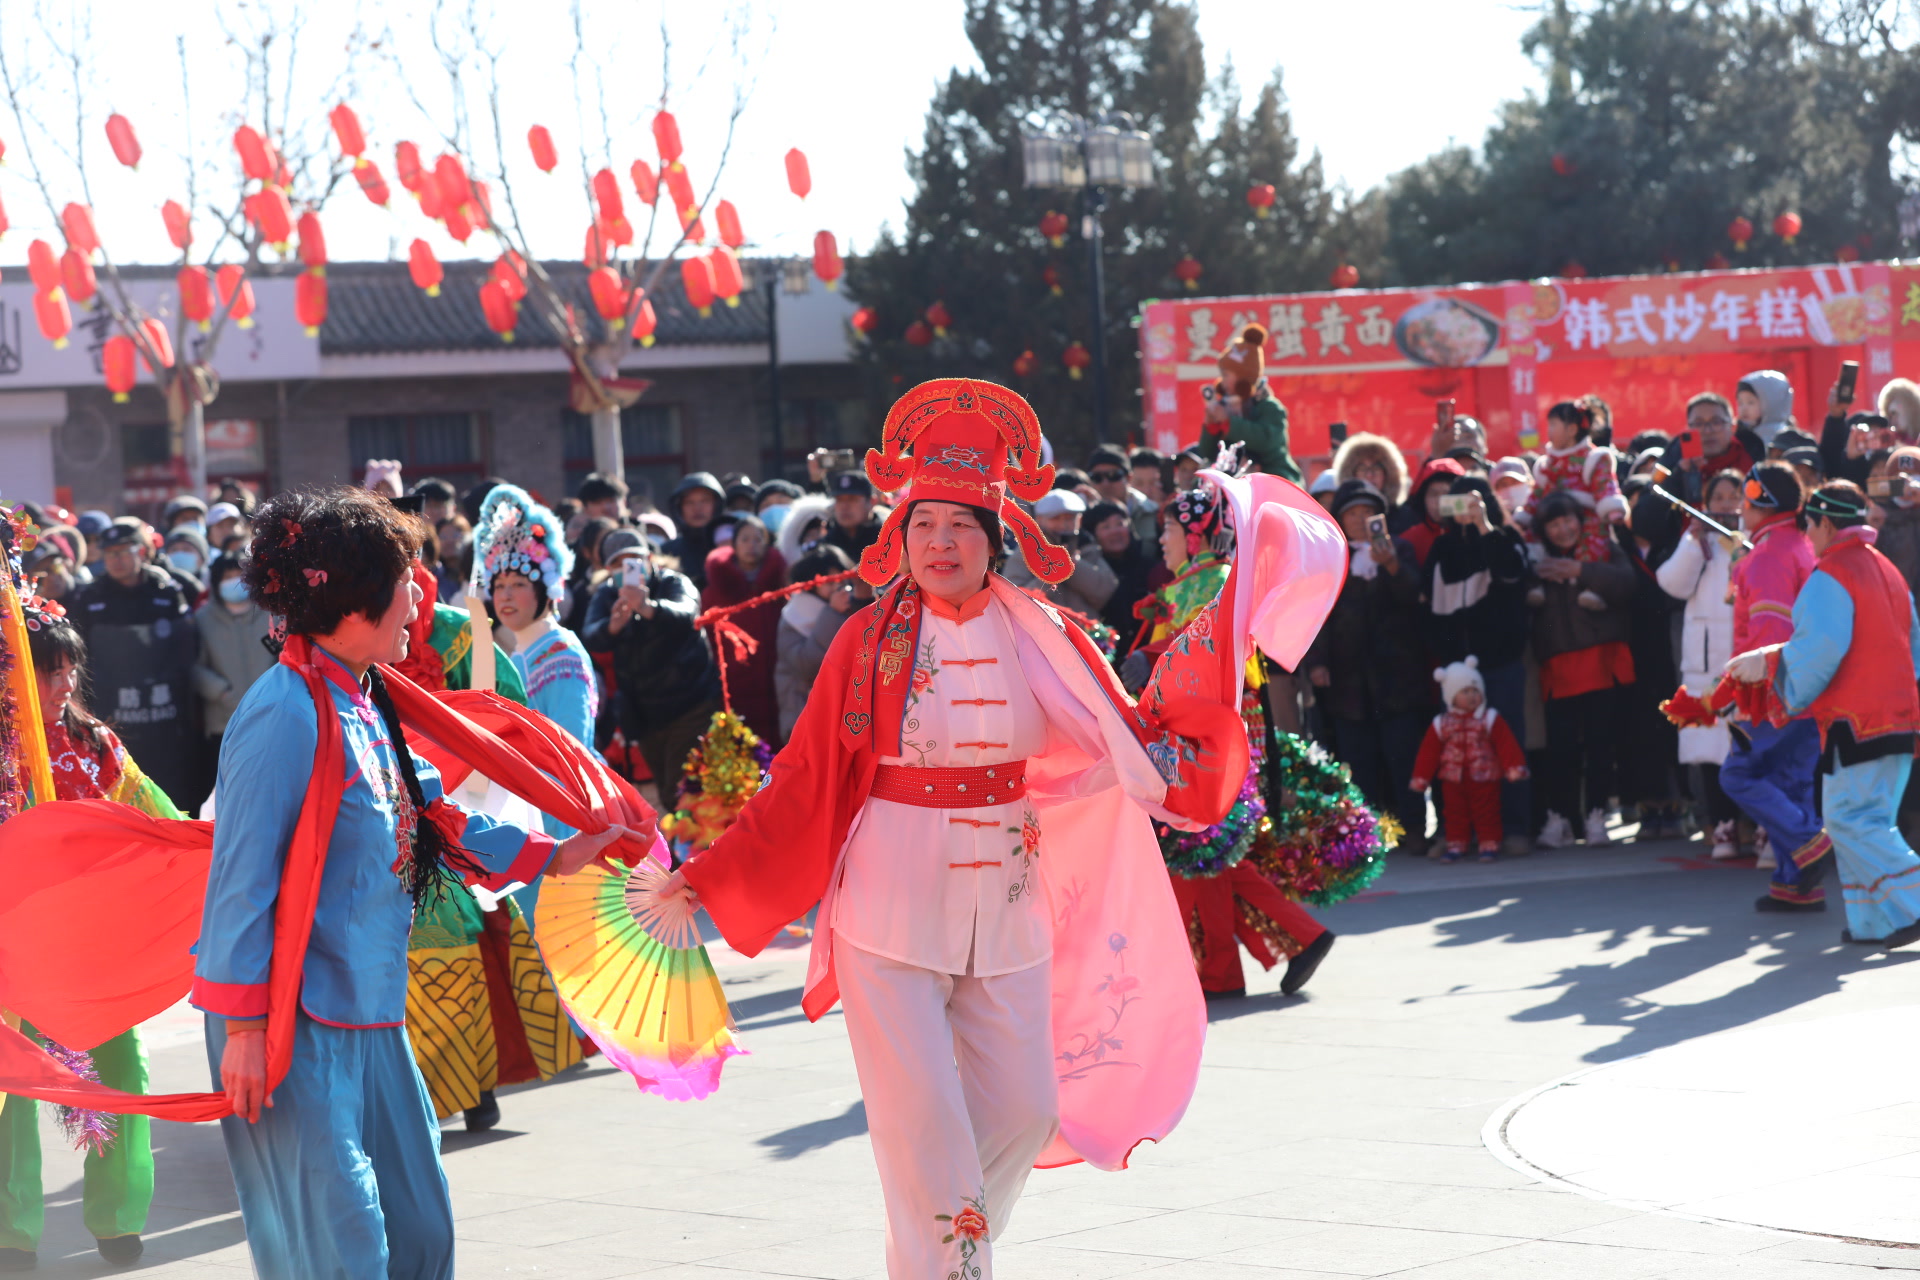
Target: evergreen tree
x=972, y=240
x=1660, y=123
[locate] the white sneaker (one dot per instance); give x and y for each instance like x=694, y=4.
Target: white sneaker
x=1723, y=844
x=1597, y=828
x=1556, y=834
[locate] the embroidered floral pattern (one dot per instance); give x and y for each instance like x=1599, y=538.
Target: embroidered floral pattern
x=920, y=683
x=967, y=1230
x=1088, y=1051
x=1027, y=852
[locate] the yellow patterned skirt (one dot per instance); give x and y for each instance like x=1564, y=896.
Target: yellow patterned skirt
x=481, y=1009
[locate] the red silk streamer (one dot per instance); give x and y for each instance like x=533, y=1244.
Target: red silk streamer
x=743, y=643
x=141, y=882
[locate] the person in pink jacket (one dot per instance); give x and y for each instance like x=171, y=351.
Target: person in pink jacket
x=1769, y=772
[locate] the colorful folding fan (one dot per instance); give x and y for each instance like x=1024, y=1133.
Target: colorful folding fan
x=632, y=972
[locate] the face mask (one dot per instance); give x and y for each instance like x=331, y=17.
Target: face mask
x=184, y=561
x=234, y=590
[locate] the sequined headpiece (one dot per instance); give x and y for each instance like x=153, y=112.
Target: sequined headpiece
x=518, y=535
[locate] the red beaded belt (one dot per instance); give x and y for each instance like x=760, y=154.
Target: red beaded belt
x=951, y=788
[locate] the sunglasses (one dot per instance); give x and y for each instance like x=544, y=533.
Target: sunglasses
x=1106, y=477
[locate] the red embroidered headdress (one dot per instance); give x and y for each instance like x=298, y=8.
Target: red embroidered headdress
x=959, y=440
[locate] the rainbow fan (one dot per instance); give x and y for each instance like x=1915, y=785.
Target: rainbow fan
x=632, y=972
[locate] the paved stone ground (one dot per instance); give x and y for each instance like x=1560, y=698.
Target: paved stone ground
x=1333, y=1134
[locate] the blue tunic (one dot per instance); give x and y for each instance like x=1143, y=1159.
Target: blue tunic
x=341, y=1176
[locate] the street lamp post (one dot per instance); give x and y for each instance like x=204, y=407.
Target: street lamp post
x=1088, y=157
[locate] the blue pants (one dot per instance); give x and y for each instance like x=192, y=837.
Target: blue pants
x=1879, y=875
x=1770, y=776
x=341, y=1177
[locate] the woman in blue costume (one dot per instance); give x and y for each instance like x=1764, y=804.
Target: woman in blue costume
x=338, y=1172
x=520, y=561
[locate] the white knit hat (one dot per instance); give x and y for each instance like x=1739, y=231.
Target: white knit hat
x=1460, y=675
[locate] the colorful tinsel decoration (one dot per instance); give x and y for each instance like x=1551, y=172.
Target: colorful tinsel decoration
x=1327, y=845
x=721, y=775
x=1209, y=852
x=89, y=1131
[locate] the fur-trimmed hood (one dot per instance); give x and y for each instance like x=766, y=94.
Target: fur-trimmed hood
x=1367, y=447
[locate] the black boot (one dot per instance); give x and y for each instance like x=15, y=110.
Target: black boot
x=1767, y=902
x=1235, y=994
x=485, y=1116
x=121, y=1251
x=1903, y=936
x=1300, y=968
x=18, y=1260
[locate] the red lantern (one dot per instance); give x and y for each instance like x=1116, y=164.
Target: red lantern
x=1346, y=276
x=424, y=267
x=1740, y=231
x=826, y=258
x=501, y=310
x=236, y=293
x=609, y=295
x=346, y=129
x=619, y=232
x=728, y=280
x=1024, y=364
x=1846, y=253
x=939, y=317
x=666, y=136
x=50, y=309
x=1562, y=165
x=727, y=219
x=799, y=177
x=480, y=208
x=594, y=254
x=1573, y=271
x=179, y=224
x=372, y=183
x=44, y=266
x=457, y=225
x=406, y=166
x=268, y=210
x=76, y=222
x=76, y=275
x=1053, y=225
x=696, y=276
x=1188, y=271
x=1260, y=198
x=313, y=241
x=606, y=192
x=645, y=185
x=256, y=157
x=310, y=301
x=1787, y=226
x=451, y=176
x=696, y=230
x=644, y=323
x=116, y=364
x=158, y=344
x=3, y=219
x=511, y=271
x=680, y=187
x=540, y=142
x=196, y=295
x=918, y=334
x=1717, y=261
x=1052, y=278
x=864, y=320
x=1076, y=358
x=126, y=147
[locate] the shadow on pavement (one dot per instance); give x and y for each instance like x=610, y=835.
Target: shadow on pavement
x=791, y=1143
x=1669, y=927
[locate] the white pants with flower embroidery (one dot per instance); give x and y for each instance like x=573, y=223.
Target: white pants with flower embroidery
x=958, y=1077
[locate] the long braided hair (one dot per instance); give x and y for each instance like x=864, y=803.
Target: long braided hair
x=431, y=870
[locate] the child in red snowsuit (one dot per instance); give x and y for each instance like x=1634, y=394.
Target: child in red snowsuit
x=1468, y=749
x=1573, y=462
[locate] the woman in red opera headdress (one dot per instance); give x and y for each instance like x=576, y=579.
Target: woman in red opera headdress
x=968, y=752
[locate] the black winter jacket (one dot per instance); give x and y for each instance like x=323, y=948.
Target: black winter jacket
x=662, y=667
x=1371, y=646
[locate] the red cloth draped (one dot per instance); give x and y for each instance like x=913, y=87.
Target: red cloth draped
x=103, y=903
